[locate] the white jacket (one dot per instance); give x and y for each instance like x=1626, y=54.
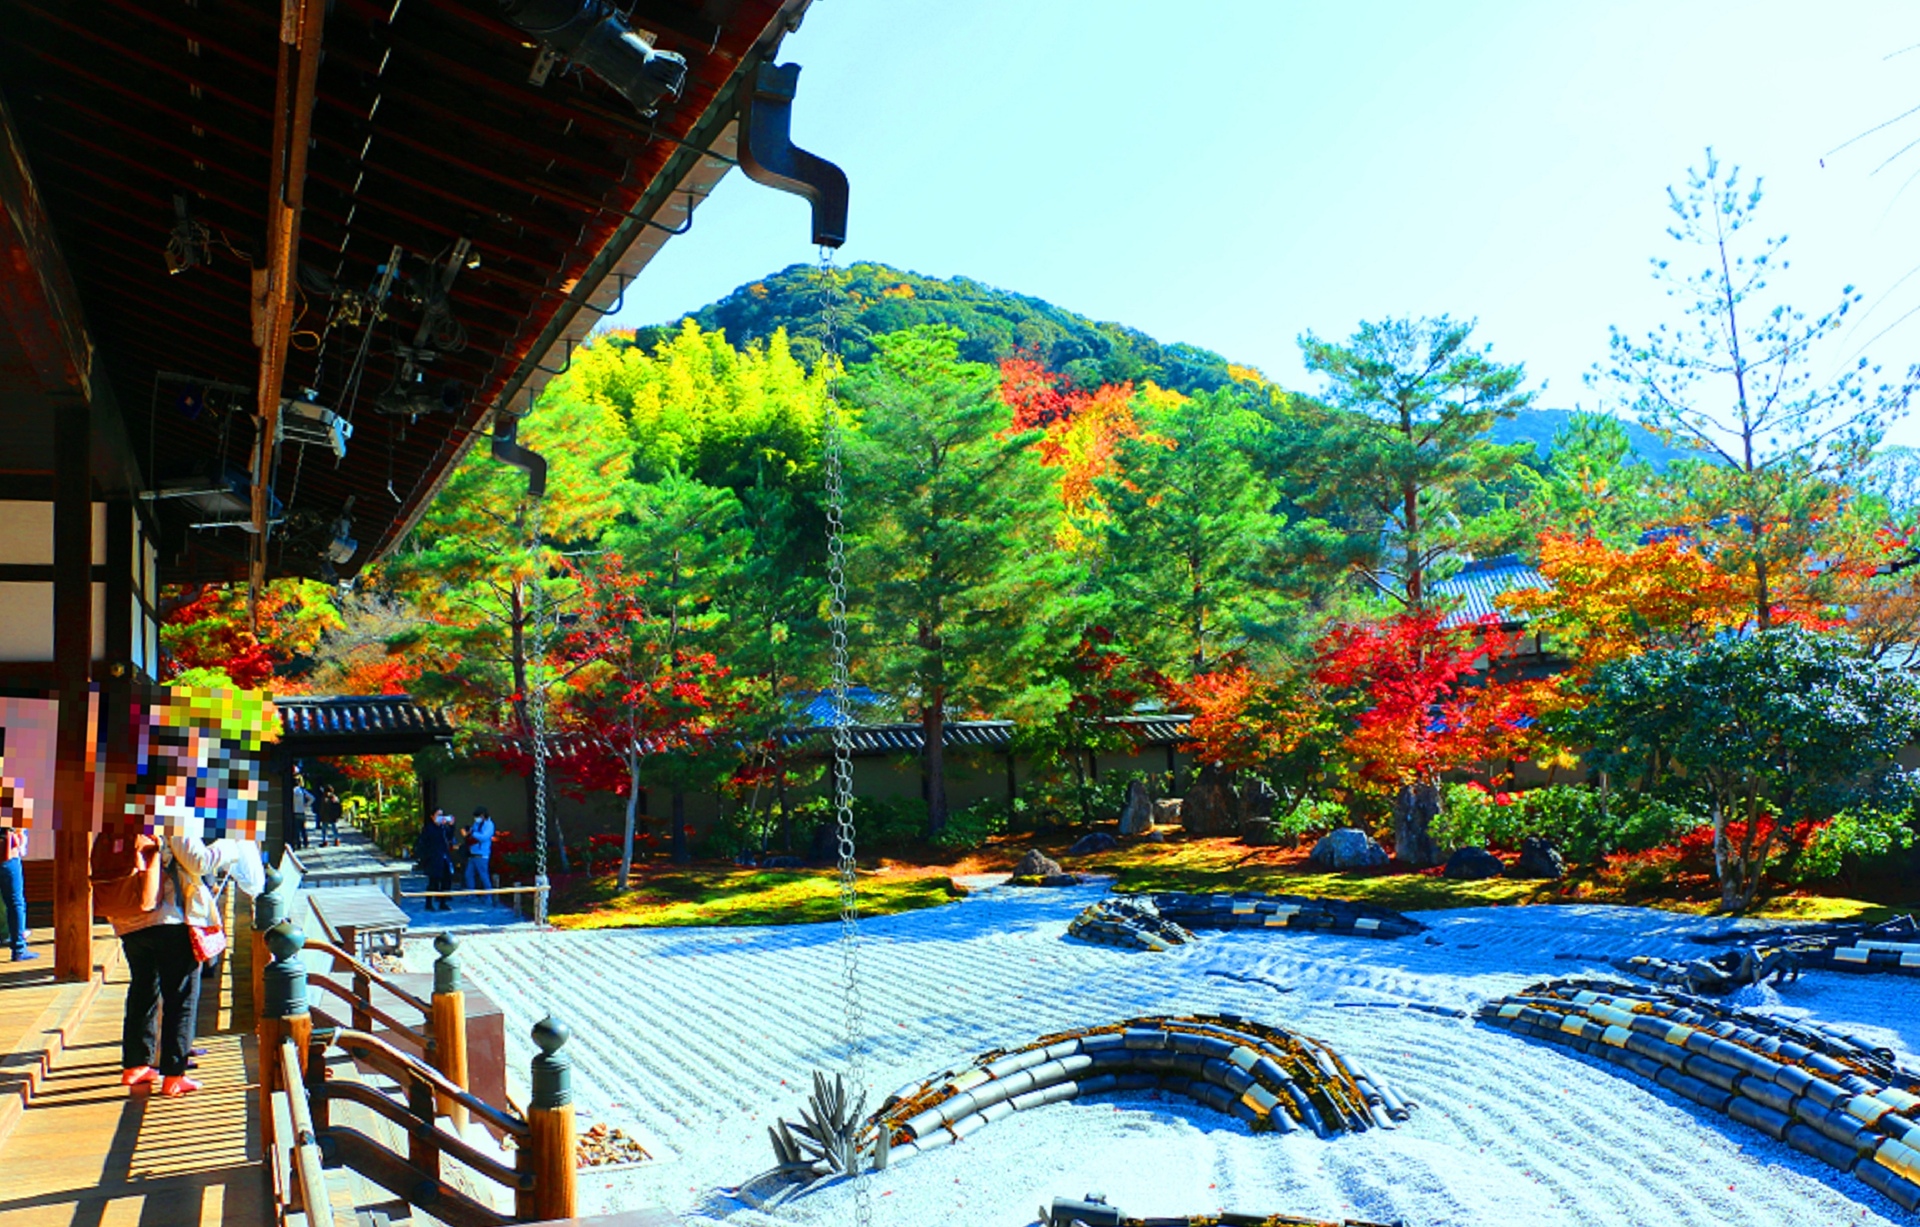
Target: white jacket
x=191, y=863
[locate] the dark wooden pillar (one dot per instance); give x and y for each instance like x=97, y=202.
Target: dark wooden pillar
x=121, y=623
x=73, y=659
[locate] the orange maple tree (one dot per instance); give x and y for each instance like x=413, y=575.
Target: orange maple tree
x=206, y=634
x=1082, y=430
x=1605, y=603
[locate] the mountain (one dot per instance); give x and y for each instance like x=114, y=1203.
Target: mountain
x=878, y=299
x=1538, y=426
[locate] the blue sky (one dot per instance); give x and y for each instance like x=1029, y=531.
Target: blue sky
x=1231, y=174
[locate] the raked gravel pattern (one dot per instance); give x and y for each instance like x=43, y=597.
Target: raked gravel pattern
x=697, y=1039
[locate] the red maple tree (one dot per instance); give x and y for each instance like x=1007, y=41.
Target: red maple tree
x=633, y=692
x=1423, y=696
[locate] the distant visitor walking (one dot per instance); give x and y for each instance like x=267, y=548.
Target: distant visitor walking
x=480, y=850
x=326, y=811
x=302, y=815
x=433, y=856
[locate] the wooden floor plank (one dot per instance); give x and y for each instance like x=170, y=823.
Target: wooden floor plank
x=88, y=1153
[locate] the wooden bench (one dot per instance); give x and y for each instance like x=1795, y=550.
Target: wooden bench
x=358, y=918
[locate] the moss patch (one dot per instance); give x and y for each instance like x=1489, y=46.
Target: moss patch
x=731, y=896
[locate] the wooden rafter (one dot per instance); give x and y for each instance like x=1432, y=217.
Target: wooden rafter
x=300, y=31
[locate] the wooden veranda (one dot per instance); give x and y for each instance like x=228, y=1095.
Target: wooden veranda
x=267, y=271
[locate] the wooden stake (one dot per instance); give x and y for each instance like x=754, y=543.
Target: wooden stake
x=450, y=1025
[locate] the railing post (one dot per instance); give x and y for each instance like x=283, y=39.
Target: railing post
x=270, y=907
x=423, y=1150
x=450, y=1025
x=550, y=1138
x=283, y=1015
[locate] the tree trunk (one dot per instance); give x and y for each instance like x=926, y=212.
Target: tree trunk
x=1413, y=813
x=681, y=855
x=933, y=722
x=633, y=804
x=1727, y=864
x=786, y=813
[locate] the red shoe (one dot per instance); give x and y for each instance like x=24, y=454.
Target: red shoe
x=178, y=1085
x=139, y=1075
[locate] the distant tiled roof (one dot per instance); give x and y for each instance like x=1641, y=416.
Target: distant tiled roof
x=1475, y=589
x=907, y=738
x=316, y=724
x=816, y=710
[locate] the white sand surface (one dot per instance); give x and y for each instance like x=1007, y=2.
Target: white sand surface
x=696, y=1039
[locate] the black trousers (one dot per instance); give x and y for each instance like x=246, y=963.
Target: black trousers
x=163, y=987
x=440, y=881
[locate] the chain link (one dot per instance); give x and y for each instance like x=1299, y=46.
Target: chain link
x=536, y=700
x=831, y=441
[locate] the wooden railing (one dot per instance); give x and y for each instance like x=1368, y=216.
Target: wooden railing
x=542, y=1176
x=299, y=1177
x=441, y=1034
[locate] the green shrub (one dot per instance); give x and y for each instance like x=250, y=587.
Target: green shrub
x=974, y=825
x=1308, y=819
x=1587, y=827
x=1471, y=817
x=1858, y=833
x=886, y=823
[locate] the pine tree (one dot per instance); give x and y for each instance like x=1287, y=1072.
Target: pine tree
x=1395, y=462
x=1191, y=532
x=687, y=541
x=952, y=520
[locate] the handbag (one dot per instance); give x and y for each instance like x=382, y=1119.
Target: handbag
x=209, y=942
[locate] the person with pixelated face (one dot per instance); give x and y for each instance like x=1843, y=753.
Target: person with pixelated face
x=195, y=789
x=196, y=782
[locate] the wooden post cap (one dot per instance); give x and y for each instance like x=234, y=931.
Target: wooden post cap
x=552, y=1068
x=446, y=968
x=285, y=981
x=270, y=906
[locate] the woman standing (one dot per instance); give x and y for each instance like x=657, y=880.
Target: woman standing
x=164, y=948
x=433, y=856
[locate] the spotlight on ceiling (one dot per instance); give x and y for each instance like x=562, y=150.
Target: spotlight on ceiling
x=593, y=35
x=304, y=422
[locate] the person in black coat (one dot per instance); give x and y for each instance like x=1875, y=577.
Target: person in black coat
x=433, y=855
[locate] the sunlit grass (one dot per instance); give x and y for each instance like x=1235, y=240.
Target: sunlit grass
x=732, y=896
x=729, y=895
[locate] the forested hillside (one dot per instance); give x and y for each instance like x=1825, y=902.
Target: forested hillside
x=996, y=323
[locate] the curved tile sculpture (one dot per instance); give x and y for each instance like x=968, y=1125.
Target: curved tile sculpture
x=1824, y=1094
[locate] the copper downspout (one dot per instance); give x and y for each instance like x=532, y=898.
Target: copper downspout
x=300, y=27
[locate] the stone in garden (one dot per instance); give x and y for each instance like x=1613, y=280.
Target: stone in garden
x=1037, y=864
x=780, y=862
x=1257, y=831
x=1347, y=848
x=1473, y=865
x=1210, y=808
x=1166, y=813
x=1136, y=817
x=1093, y=841
x=1256, y=801
x=1538, y=859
